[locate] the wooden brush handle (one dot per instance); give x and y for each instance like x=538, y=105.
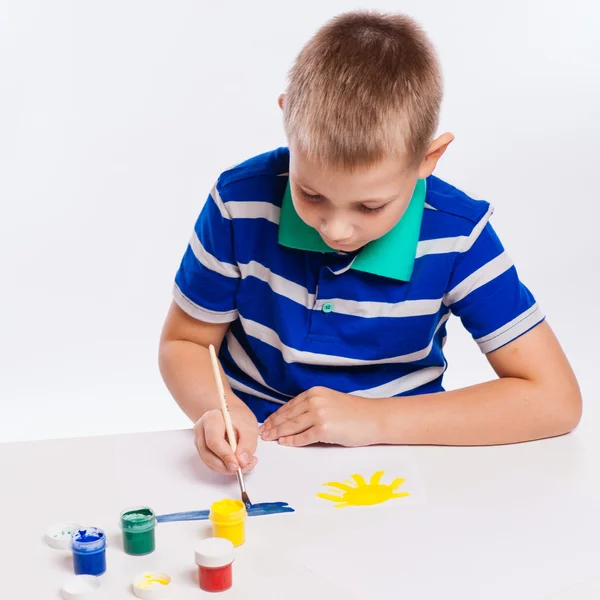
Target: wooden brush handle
x=222, y=397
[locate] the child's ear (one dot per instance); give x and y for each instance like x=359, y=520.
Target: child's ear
x=280, y=100
x=435, y=152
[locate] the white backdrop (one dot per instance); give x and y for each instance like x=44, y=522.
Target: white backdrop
x=117, y=116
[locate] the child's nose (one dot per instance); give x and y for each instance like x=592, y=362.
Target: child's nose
x=337, y=230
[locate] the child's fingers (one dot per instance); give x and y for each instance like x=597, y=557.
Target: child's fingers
x=213, y=462
x=212, y=435
x=277, y=419
x=220, y=447
x=285, y=410
x=247, y=442
x=292, y=426
x=251, y=464
x=306, y=438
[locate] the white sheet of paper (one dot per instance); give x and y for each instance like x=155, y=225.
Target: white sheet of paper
x=283, y=474
x=583, y=591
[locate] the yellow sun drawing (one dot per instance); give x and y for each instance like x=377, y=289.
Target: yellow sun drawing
x=363, y=493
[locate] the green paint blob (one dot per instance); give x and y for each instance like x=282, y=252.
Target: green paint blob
x=138, y=525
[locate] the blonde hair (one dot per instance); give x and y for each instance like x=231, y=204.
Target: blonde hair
x=366, y=86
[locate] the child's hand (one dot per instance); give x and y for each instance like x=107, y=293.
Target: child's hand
x=213, y=447
x=323, y=415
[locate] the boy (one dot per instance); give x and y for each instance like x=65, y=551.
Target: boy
x=325, y=275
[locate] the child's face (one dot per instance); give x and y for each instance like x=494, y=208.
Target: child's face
x=351, y=209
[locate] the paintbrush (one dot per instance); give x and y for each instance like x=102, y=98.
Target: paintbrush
x=227, y=419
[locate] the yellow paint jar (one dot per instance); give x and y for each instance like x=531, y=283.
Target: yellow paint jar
x=228, y=519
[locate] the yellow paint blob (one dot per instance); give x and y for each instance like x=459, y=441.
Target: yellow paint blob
x=227, y=507
x=228, y=519
x=149, y=580
x=361, y=493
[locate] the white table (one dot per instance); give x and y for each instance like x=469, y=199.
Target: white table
x=518, y=522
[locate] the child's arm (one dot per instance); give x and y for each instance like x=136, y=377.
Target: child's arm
x=186, y=369
x=536, y=396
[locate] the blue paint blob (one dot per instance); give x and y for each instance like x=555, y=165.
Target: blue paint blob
x=85, y=536
x=256, y=510
x=89, y=551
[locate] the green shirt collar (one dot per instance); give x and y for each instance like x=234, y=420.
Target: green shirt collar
x=392, y=255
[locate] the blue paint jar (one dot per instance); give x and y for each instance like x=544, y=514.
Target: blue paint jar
x=89, y=551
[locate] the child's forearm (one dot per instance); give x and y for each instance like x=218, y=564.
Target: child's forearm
x=503, y=411
x=187, y=371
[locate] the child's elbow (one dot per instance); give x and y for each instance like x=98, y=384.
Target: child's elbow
x=568, y=408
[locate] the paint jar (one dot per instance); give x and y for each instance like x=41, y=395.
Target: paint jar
x=228, y=519
x=138, y=525
x=214, y=558
x=89, y=551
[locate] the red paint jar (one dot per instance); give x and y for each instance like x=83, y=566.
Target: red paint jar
x=214, y=558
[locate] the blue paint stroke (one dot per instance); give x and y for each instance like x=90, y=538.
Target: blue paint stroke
x=269, y=508
x=256, y=510
x=193, y=515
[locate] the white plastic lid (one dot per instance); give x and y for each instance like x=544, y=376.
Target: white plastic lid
x=214, y=552
x=80, y=587
x=59, y=536
x=152, y=585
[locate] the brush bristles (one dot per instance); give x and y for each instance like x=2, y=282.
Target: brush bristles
x=246, y=500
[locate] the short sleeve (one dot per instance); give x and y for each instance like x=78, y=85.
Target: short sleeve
x=208, y=276
x=485, y=292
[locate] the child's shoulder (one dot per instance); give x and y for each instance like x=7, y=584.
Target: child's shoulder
x=453, y=203
x=255, y=177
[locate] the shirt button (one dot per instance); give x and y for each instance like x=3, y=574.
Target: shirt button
x=327, y=307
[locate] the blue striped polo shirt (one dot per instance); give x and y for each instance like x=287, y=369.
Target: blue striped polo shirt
x=371, y=323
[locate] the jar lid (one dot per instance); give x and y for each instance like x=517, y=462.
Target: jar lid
x=80, y=587
x=59, y=535
x=214, y=552
x=152, y=585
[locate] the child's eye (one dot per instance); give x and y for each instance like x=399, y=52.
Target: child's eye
x=311, y=197
x=366, y=209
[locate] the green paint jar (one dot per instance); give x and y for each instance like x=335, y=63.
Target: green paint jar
x=138, y=525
